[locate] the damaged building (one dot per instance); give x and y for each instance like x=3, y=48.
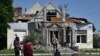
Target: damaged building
x=49, y=20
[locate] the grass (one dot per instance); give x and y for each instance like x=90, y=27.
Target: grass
x=90, y=50
x=10, y=51
x=7, y=51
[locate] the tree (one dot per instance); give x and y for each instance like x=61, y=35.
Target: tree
x=35, y=38
x=96, y=42
x=6, y=15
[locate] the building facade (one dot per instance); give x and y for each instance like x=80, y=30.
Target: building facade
x=51, y=20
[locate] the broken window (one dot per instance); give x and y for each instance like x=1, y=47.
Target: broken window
x=51, y=13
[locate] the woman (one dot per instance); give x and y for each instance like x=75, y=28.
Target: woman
x=28, y=48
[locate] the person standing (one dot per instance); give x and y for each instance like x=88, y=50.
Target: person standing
x=16, y=45
x=57, y=53
x=28, y=48
x=54, y=43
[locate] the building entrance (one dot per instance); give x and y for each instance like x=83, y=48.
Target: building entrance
x=55, y=35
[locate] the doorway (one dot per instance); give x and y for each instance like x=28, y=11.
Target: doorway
x=56, y=33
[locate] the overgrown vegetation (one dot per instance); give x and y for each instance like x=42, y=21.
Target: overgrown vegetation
x=41, y=49
x=7, y=51
x=35, y=38
x=6, y=15
x=96, y=41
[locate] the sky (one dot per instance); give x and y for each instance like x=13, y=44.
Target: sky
x=89, y=9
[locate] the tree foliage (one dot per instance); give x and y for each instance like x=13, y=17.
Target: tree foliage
x=6, y=11
x=6, y=15
x=35, y=38
x=96, y=42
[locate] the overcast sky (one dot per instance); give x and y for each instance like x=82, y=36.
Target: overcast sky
x=89, y=9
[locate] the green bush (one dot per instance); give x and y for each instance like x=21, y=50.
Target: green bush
x=96, y=42
x=35, y=38
x=7, y=51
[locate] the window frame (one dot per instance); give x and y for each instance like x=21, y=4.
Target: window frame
x=80, y=36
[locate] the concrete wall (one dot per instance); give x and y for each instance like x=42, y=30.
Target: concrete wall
x=18, y=26
x=21, y=29
x=10, y=38
x=34, y=8
x=89, y=43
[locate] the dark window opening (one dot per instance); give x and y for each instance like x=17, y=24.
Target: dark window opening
x=83, y=39
x=51, y=13
x=68, y=39
x=78, y=39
